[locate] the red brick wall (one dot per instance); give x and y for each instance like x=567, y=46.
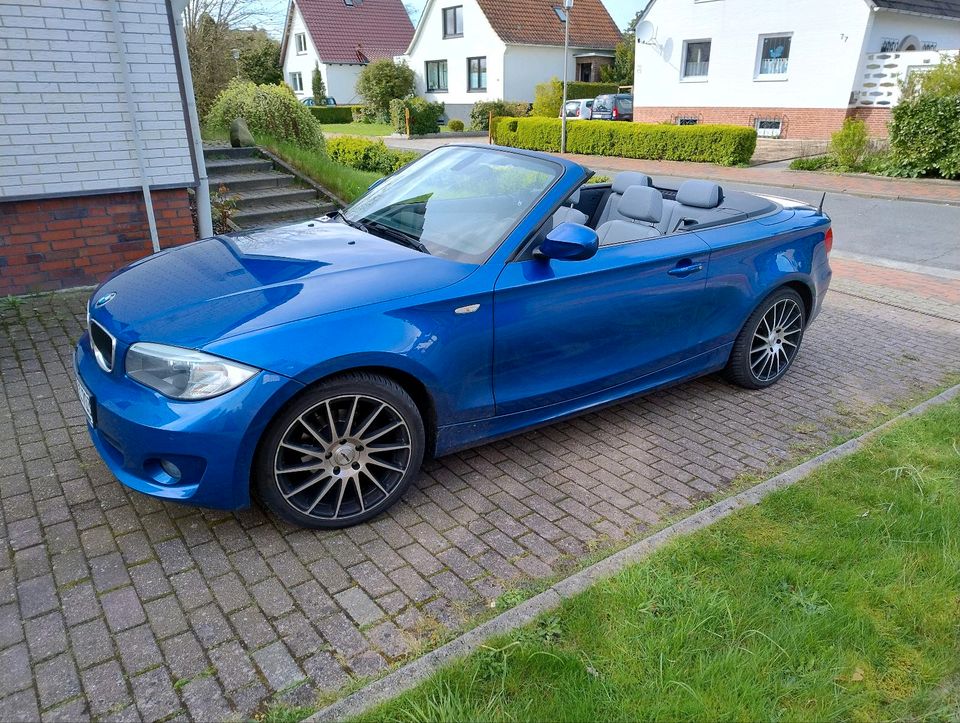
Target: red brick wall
x=57, y=243
x=798, y=123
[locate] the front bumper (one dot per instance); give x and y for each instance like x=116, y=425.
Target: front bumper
x=212, y=442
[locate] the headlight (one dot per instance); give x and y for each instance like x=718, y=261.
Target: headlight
x=184, y=373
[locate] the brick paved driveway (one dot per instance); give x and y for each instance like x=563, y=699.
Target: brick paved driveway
x=113, y=605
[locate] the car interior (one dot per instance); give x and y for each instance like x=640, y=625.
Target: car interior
x=632, y=208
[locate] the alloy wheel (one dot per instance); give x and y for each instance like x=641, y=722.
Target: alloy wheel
x=776, y=340
x=342, y=457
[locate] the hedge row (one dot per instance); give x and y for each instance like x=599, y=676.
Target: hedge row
x=722, y=144
x=480, y=113
x=334, y=113
x=367, y=155
x=549, y=96
x=925, y=137
x=424, y=115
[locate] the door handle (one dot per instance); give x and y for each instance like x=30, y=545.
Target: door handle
x=685, y=268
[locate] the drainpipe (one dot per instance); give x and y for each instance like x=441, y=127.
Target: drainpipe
x=204, y=214
x=132, y=112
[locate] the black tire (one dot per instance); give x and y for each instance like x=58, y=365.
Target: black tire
x=377, y=466
x=762, y=355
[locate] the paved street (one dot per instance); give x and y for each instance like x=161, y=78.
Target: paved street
x=113, y=605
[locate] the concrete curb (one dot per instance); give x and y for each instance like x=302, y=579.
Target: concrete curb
x=416, y=671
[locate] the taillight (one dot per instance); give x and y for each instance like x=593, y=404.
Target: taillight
x=578, y=112
x=828, y=240
x=616, y=113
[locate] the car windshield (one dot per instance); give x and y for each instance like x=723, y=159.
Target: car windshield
x=457, y=202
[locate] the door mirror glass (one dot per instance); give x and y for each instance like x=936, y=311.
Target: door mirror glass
x=570, y=242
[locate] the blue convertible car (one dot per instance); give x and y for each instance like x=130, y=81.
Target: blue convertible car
x=475, y=293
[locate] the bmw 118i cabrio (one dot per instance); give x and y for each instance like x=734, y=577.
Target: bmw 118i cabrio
x=475, y=293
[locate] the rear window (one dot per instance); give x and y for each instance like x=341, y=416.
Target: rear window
x=603, y=102
x=624, y=103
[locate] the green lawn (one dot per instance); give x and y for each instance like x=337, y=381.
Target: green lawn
x=359, y=129
x=836, y=599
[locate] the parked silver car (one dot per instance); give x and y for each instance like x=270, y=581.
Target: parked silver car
x=581, y=108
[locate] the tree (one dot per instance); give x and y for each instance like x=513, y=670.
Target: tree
x=621, y=72
x=380, y=82
x=259, y=56
x=319, y=89
x=940, y=81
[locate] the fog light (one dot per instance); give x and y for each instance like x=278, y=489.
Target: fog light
x=171, y=469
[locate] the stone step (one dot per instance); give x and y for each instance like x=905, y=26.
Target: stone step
x=238, y=182
x=215, y=153
x=224, y=166
x=256, y=198
x=275, y=213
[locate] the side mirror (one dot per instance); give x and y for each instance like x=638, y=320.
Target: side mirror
x=570, y=242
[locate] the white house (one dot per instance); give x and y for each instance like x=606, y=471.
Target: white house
x=99, y=140
x=792, y=70
x=340, y=37
x=464, y=51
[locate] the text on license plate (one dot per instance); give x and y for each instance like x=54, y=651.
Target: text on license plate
x=85, y=400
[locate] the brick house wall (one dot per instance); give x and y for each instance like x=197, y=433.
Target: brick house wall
x=797, y=123
x=71, y=203
x=55, y=243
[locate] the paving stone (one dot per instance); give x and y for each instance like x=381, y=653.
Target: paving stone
x=205, y=700
x=138, y=649
x=91, y=642
x=278, y=666
x=233, y=665
x=20, y=706
x=299, y=634
x=272, y=598
x=150, y=581
x=73, y=711
x=14, y=669
x=359, y=606
x=254, y=629
x=325, y=672
x=390, y=640
x=57, y=680
x=109, y=571
x=37, y=596
x=105, y=688
x=230, y=592
x=11, y=627
x=154, y=694
x=46, y=636
x=122, y=608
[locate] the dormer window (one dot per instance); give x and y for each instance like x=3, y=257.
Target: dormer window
x=453, y=22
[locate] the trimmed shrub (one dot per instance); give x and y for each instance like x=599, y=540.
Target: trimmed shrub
x=455, y=125
x=480, y=113
x=380, y=82
x=549, y=96
x=849, y=145
x=812, y=163
x=271, y=110
x=367, y=155
x=723, y=144
x=925, y=137
x=424, y=115
x=333, y=113
x=317, y=85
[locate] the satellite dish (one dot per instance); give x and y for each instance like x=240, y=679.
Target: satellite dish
x=645, y=32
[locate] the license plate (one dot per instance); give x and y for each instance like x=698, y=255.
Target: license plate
x=86, y=401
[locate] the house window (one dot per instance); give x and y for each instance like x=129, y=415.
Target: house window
x=453, y=22
x=301, y=40
x=296, y=82
x=768, y=127
x=774, y=56
x=436, y=75
x=687, y=121
x=696, y=59
x=476, y=74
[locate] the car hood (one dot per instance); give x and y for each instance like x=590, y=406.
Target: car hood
x=227, y=285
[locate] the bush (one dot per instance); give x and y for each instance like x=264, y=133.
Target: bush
x=317, y=85
x=333, y=113
x=480, y=113
x=812, y=163
x=925, y=137
x=271, y=110
x=455, y=125
x=723, y=144
x=941, y=80
x=849, y=144
x=424, y=115
x=367, y=155
x=380, y=82
x=549, y=96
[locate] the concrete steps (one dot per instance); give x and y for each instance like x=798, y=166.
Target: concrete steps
x=264, y=195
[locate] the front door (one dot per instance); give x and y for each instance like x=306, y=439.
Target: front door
x=565, y=329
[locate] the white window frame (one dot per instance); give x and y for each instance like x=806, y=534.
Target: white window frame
x=296, y=79
x=300, y=43
x=683, y=62
x=766, y=77
x=768, y=132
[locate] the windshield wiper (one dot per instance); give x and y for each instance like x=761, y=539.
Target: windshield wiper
x=394, y=234
x=353, y=224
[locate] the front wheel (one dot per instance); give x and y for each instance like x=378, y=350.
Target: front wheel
x=340, y=453
x=768, y=342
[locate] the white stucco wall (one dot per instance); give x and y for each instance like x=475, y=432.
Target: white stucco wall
x=945, y=33
x=294, y=62
x=64, y=125
x=478, y=40
x=826, y=48
x=527, y=65
x=341, y=82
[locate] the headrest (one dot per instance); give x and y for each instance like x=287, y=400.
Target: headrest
x=573, y=199
x=700, y=194
x=642, y=203
x=624, y=180
x=565, y=214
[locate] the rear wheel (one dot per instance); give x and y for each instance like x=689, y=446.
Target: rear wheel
x=341, y=453
x=768, y=342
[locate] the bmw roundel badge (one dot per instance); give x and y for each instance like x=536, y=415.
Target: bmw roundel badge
x=105, y=299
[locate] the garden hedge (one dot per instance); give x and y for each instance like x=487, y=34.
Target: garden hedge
x=368, y=155
x=549, y=96
x=925, y=137
x=480, y=113
x=334, y=113
x=723, y=144
x=271, y=110
x=424, y=115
